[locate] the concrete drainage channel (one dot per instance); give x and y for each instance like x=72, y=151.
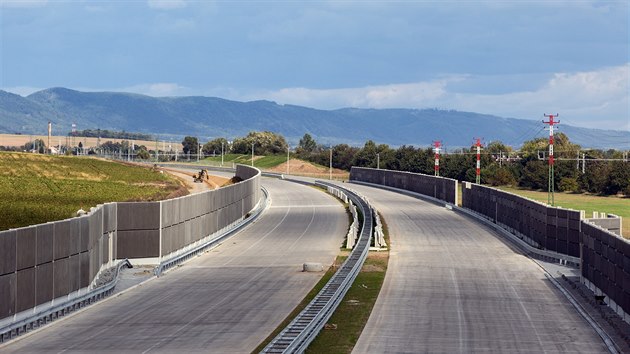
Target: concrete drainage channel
x=296, y=337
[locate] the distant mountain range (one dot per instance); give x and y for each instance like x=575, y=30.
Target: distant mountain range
x=209, y=117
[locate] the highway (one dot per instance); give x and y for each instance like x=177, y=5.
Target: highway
x=228, y=300
x=454, y=286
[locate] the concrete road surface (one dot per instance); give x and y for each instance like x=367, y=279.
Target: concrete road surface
x=226, y=301
x=453, y=286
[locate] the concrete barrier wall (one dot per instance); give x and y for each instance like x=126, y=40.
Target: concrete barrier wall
x=606, y=266
x=437, y=187
x=43, y=262
x=188, y=219
x=550, y=228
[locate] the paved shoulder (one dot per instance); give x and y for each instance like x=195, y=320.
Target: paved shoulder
x=228, y=300
x=453, y=286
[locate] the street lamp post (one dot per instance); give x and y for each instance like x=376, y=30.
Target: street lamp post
x=378, y=161
x=288, y=148
x=222, y=154
x=330, y=167
x=252, y=154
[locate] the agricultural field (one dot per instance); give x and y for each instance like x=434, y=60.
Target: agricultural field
x=39, y=188
x=588, y=203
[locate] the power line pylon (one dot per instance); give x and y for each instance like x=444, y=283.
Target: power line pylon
x=436, y=149
x=478, y=145
x=550, y=188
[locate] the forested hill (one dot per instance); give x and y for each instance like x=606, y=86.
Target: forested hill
x=209, y=117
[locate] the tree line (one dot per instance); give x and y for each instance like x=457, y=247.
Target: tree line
x=104, y=133
x=500, y=164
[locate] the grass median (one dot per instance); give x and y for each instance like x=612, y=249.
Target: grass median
x=346, y=324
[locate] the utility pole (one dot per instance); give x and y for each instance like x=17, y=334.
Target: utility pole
x=478, y=145
x=252, y=154
x=436, y=149
x=577, y=165
x=583, y=163
x=378, y=161
x=221, y=153
x=330, y=168
x=550, y=189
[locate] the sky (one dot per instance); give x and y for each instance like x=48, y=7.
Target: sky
x=517, y=59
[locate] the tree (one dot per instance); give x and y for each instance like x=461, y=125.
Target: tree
x=619, y=178
x=36, y=145
x=568, y=184
x=190, y=144
x=366, y=157
x=265, y=143
x=306, y=145
x=143, y=154
x=213, y=147
x=343, y=155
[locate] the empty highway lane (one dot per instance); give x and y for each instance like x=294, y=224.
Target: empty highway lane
x=228, y=300
x=453, y=286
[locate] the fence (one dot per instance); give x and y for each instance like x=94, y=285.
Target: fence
x=606, y=266
x=550, y=228
x=41, y=263
x=437, y=187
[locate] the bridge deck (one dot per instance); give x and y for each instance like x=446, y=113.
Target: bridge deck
x=454, y=286
x=226, y=301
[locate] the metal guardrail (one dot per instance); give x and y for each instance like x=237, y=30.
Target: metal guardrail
x=50, y=314
x=193, y=252
x=296, y=337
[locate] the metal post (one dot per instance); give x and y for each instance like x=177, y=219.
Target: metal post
x=378, y=161
x=252, y=154
x=288, y=149
x=436, y=149
x=478, y=169
x=583, y=163
x=550, y=192
x=222, y=154
x=330, y=167
x=577, y=165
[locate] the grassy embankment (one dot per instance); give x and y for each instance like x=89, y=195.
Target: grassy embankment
x=39, y=188
x=277, y=163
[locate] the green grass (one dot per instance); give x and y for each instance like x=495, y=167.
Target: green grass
x=270, y=161
x=588, y=203
x=265, y=162
x=229, y=158
x=39, y=188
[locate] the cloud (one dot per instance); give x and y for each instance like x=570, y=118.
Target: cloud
x=21, y=90
x=163, y=89
x=166, y=4
x=381, y=96
x=595, y=99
